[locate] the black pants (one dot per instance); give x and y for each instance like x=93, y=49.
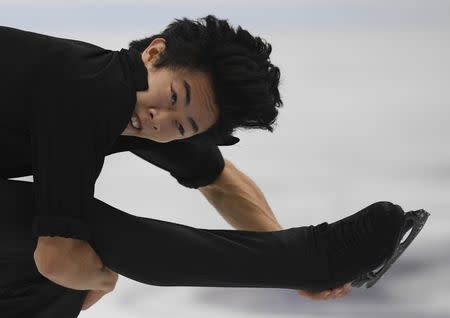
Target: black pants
x=149, y=251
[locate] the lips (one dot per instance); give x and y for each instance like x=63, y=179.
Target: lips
x=139, y=122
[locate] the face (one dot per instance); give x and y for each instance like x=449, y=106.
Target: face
x=178, y=104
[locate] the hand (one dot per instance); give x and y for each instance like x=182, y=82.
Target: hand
x=327, y=294
x=111, y=280
x=94, y=296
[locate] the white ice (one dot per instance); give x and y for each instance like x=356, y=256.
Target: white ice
x=366, y=87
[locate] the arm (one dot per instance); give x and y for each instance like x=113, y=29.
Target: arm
x=240, y=202
x=72, y=124
x=65, y=170
x=73, y=264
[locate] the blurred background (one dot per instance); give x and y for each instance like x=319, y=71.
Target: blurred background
x=366, y=117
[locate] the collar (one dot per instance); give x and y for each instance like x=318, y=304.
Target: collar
x=138, y=71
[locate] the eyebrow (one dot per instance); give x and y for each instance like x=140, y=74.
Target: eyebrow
x=193, y=124
x=187, y=89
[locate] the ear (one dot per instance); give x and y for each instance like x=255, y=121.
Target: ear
x=153, y=51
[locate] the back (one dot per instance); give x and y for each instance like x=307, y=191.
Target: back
x=28, y=58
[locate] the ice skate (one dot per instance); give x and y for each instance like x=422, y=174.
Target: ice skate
x=414, y=221
x=355, y=247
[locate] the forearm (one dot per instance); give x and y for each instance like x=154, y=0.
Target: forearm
x=78, y=267
x=240, y=201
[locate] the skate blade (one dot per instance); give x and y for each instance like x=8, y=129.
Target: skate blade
x=414, y=221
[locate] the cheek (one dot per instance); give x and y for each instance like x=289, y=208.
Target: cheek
x=167, y=131
x=165, y=139
x=155, y=91
x=155, y=98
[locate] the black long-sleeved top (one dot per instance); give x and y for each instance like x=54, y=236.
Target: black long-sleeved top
x=63, y=105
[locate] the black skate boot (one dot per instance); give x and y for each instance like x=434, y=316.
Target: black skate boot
x=414, y=221
x=354, y=247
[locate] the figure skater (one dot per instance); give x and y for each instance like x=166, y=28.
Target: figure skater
x=171, y=99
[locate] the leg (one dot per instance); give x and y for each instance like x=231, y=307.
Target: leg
x=310, y=257
x=24, y=292
x=169, y=254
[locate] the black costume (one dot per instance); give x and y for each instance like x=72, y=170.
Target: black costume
x=63, y=106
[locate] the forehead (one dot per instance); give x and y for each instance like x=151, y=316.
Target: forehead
x=197, y=86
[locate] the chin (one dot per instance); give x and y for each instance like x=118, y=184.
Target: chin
x=162, y=141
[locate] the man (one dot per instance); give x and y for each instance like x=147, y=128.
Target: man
x=165, y=115
x=172, y=98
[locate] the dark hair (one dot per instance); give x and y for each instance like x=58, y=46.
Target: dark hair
x=245, y=82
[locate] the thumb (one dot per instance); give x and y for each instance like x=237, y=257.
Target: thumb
x=92, y=297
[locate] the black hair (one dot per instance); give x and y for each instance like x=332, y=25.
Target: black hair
x=244, y=81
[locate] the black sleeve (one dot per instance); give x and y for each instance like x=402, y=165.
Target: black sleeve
x=66, y=163
x=192, y=165
x=73, y=124
x=62, y=91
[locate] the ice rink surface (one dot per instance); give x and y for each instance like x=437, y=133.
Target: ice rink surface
x=366, y=118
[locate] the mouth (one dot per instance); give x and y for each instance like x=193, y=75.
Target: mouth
x=135, y=123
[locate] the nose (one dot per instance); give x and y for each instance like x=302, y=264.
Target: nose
x=155, y=119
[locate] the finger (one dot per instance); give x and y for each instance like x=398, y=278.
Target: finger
x=339, y=291
x=344, y=288
x=326, y=294
x=308, y=294
x=322, y=294
x=343, y=293
x=313, y=296
x=88, y=299
x=89, y=304
x=338, y=296
x=304, y=294
x=336, y=293
x=92, y=297
x=346, y=291
x=340, y=288
x=333, y=296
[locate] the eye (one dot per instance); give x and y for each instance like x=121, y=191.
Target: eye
x=181, y=129
x=173, y=97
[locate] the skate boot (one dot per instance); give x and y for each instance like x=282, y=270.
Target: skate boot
x=354, y=247
x=414, y=221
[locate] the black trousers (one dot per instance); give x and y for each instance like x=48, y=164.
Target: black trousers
x=149, y=251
